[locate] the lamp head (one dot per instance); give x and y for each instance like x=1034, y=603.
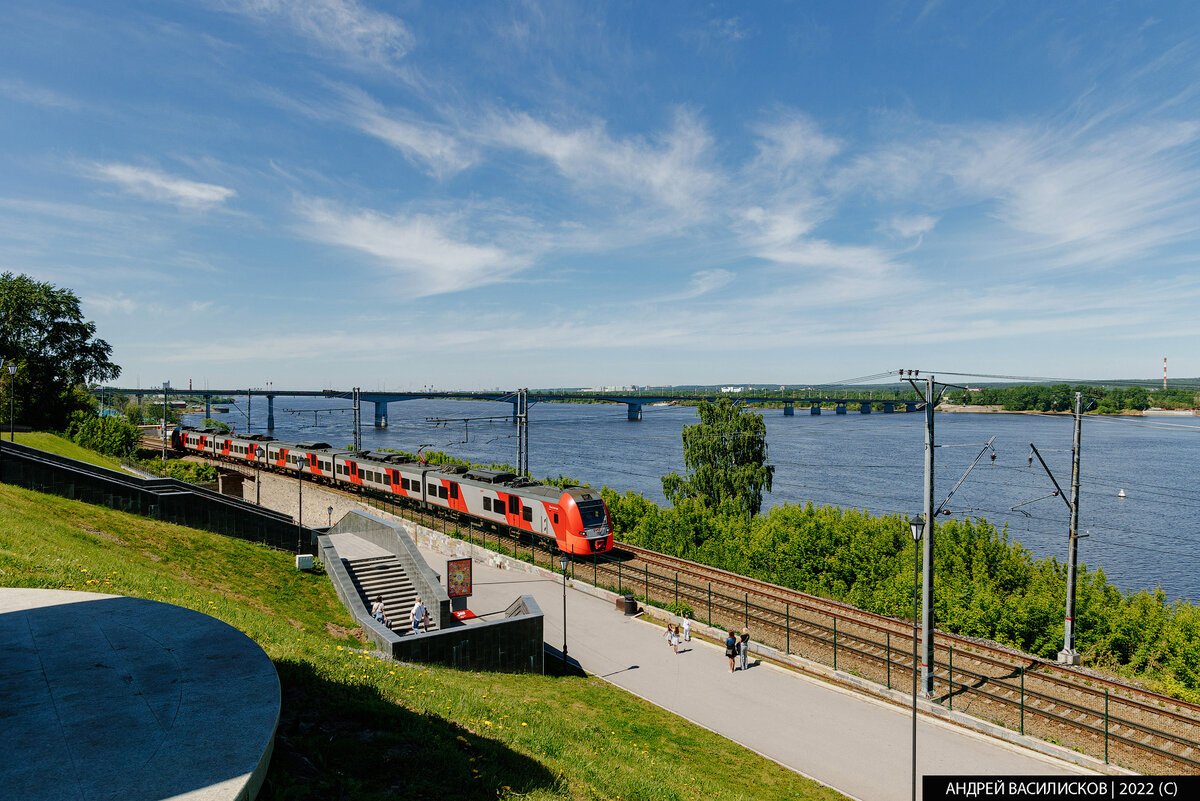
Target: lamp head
x=917, y=526
x=12, y=367
x=563, y=561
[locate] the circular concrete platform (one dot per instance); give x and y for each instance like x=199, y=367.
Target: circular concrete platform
x=108, y=697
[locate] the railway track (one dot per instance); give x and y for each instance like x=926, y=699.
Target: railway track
x=1077, y=708
x=1073, y=707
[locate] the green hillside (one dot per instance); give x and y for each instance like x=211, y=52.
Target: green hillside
x=355, y=726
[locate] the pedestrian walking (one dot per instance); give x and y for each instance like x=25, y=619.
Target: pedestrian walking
x=418, y=617
x=744, y=647
x=379, y=611
x=687, y=629
x=731, y=649
x=673, y=638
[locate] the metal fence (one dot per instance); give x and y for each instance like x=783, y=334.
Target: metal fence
x=882, y=656
x=163, y=499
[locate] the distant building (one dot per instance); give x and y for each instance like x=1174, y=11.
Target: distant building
x=732, y=389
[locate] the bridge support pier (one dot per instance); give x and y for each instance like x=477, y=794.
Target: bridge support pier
x=910, y=406
x=270, y=412
x=789, y=410
x=634, y=412
x=207, y=406
x=888, y=408
x=815, y=408
x=841, y=409
x=380, y=414
x=864, y=408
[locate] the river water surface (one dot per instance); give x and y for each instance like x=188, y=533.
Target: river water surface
x=1150, y=537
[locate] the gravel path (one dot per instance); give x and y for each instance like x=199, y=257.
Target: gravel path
x=280, y=493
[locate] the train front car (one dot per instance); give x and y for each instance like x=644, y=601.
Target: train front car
x=586, y=526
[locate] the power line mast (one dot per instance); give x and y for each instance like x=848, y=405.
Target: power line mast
x=1068, y=655
x=927, y=554
x=522, y=420
x=357, y=418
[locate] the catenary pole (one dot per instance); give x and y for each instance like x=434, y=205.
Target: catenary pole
x=1069, y=655
x=927, y=561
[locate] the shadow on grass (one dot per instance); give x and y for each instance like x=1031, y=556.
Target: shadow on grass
x=553, y=665
x=336, y=741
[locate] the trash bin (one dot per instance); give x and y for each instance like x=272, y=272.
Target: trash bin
x=630, y=605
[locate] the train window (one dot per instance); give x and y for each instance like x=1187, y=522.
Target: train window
x=454, y=491
x=556, y=518
x=403, y=483
x=514, y=505
x=432, y=490
x=592, y=513
x=441, y=492
x=527, y=513
x=487, y=503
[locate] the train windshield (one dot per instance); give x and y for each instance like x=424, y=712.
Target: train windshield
x=592, y=513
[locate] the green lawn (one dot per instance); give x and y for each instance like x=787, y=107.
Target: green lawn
x=357, y=726
x=52, y=443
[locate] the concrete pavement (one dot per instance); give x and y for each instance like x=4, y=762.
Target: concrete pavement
x=855, y=744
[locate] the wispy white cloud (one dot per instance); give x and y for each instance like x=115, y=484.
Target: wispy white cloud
x=1096, y=192
x=674, y=169
x=421, y=142
x=160, y=187
x=910, y=225
x=23, y=92
x=117, y=303
x=343, y=28
x=430, y=253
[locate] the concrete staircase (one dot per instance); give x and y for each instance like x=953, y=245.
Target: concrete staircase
x=382, y=575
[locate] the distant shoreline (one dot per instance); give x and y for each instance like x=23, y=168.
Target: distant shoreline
x=997, y=409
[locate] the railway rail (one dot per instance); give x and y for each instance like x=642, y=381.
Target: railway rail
x=1075, y=707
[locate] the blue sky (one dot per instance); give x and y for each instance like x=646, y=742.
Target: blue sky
x=484, y=194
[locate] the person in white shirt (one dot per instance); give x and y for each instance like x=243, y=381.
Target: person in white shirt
x=687, y=629
x=419, y=617
x=378, y=611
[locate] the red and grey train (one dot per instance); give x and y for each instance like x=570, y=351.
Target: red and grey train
x=577, y=518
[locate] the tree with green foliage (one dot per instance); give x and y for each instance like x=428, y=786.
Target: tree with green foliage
x=55, y=349
x=112, y=436
x=217, y=425
x=726, y=454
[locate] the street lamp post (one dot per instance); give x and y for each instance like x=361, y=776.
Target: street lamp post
x=12, y=394
x=299, y=501
x=917, y=527
x=329, y=519
x=563, y=561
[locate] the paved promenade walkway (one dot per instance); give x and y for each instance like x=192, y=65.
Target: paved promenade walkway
x=859, y=746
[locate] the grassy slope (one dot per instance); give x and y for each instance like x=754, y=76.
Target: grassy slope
x=53, y=443
x=355, y=726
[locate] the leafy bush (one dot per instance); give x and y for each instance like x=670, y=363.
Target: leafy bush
x=680, y=609
x=191, y=472
x=111, y=436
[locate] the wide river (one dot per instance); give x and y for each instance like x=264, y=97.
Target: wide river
x=1148, y=538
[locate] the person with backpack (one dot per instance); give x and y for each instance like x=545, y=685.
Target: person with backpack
x=731, y=644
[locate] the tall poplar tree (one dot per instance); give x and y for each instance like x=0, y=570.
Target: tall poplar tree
x=43, y=330
x=726, y=456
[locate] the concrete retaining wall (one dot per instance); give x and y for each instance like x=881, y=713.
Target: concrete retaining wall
x=390, y=537
x=512, y=644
